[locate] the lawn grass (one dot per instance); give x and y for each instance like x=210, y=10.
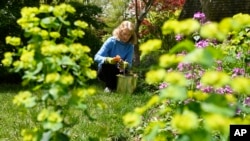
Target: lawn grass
x=107, y=123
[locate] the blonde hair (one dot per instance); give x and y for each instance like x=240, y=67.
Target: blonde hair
x=126, y=25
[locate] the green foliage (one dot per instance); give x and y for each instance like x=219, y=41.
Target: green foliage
x=151, y=28
x=55, y=64
x=91, y=15
x=182, y=111
x=11, y=12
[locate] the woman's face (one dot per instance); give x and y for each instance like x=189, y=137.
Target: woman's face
x=125, y=35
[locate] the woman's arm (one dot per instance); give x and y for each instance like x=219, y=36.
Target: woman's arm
x=103, y=52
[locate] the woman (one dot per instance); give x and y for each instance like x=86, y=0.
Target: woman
x=116, y=54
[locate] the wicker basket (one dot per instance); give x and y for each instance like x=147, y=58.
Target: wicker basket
x=126, y=84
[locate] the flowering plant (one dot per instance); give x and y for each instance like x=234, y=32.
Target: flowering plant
x=56, y=65
x=203, y=81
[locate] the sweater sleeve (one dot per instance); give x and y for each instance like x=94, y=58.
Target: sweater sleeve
x=103, y=52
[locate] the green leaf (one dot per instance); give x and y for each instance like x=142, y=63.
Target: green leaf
x=39, y=67
x=174, y=92
x=200, y=56
x=30, y=102
x=54, y=91
x=49, y=22
x=63, y=21
x=52, y=126
x=66, y=60
x=195, y=107
x=45, y=96
x=46, y=136
x=183, y=45
x=212, y=108
x=218, y=104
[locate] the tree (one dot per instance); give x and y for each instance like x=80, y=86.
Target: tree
x=140, y=9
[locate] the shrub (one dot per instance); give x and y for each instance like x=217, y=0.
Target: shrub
x=56, y=65
x=203, y=90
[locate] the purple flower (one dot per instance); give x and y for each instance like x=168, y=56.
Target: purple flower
x=200, y=17
x=247, y=101
x=238, y=111
x=219, y=68
x=228, y=89
x=183, y=66
x=220, y=91
x=189, y=75
x=238, y=55
x=206, y=89
x=219, y=62
x=202, y=44
x=163, y=85
x=238, y=71
x=178, y=37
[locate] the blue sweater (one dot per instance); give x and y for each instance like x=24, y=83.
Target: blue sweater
x=112, y=47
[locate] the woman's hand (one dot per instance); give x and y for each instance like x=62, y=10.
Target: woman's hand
x=113, y=60
x=122, y=65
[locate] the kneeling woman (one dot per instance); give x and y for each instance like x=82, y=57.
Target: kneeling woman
x=116, y=54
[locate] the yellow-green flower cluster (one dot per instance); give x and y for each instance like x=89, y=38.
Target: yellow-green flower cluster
x=153, y=101
x=52, y=77
x=7, y=59
x=168, y=60
x=29, y=135
x=55, y=35
x=90, y=73
x=67, y=79
x=185, y=122
x=227, y=25
x=197, y=95
x=75, y=33
x=29, y=18
x=14, y=41
x=44, y=34
x=28, y=12
x=217, y=122
x=132, y=119
x=83, y=93
x=153, y=127
x=185, y=27
x=176, y=78
x=79, y=51
x=149, y=46
x=51, y=119
x=24, y=98
x=155, y=76
x=215, y=78
x=81, y=24
x=49, y=48
x=241, y=85
x=61, y=9
x=45, y=8
x=27, y=59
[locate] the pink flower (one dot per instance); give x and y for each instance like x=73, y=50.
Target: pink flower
x=178, y=37
x=163, y=85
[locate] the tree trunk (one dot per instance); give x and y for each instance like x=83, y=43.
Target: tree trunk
x=139, y=18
